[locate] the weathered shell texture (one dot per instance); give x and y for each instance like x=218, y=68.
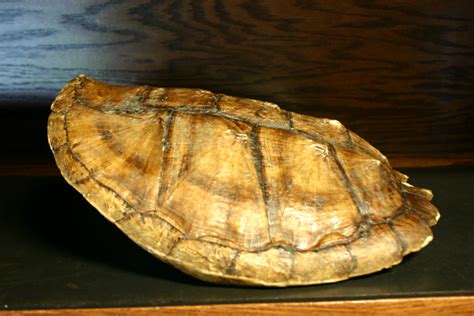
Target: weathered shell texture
x=235, y=190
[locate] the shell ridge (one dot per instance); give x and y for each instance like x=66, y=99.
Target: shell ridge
x=220, y=113
x=215, y=110
x=291, y=128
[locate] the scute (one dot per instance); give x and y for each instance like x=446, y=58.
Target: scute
x=274, y=262
x=330, y=264
x=306, y=191
x=196, y=177
x=133, y=156
x=380, y=248
x=374, y=185
x=235, y=190
x=153, y=232
x=213, y=258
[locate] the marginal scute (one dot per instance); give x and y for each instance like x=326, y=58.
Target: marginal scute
x=57, y=131
x=70, y=167
x=378, y=250
x=424, y=193
x=325, y=265
x=109, y=203
x=423, y=208
x=413, y=230
x=100, y=196
x=403, y=178
x=272, y=265
x=236, y=190
x=192, y=255
x=155, y=234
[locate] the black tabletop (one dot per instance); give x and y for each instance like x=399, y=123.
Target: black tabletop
x=57, y=251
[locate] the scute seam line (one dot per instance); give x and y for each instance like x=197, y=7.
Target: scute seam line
x=348, y=184
x=259, y=169
x=231, y=268
x=167, y=126
x=353, y=260
x=402, y=243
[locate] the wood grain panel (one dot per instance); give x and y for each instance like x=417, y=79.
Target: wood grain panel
x=462, y=305
x=399, y=73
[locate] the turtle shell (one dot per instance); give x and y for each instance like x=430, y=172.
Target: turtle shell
x=234, y=190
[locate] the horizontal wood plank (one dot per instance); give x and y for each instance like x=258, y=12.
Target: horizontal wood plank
x=462, y=305
x=399, y=73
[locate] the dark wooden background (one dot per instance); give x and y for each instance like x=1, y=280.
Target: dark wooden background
x=399, y=73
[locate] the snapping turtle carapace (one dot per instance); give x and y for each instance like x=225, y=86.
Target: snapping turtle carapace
x=234, y=190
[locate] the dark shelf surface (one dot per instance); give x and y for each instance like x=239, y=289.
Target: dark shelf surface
x=58, y=252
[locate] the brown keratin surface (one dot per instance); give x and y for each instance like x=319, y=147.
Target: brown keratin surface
x=235, y=190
